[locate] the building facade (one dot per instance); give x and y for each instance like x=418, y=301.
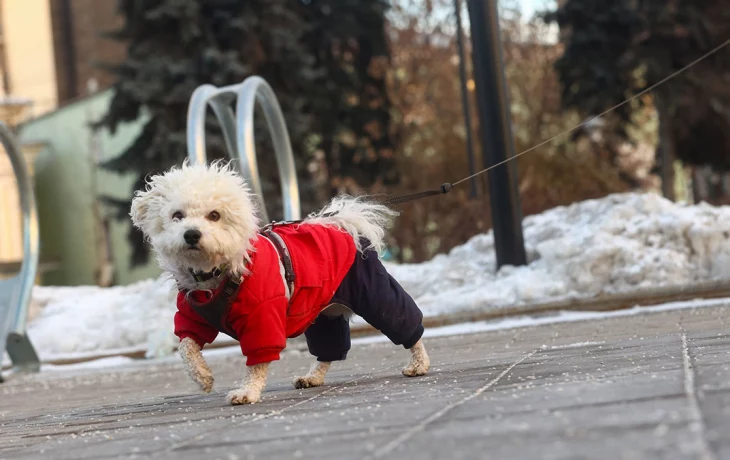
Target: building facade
x=49, y=56
x=80, y=243
x=77, y=28
x=50, y=50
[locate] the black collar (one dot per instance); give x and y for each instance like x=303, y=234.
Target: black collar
x=200, y=277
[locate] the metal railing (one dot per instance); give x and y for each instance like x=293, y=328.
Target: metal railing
x=238, y=133
x=16, y=291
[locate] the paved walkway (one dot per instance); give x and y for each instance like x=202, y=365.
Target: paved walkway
x=638, y=387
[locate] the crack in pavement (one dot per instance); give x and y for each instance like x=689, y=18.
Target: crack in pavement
x=436, y=415
x=696, y=423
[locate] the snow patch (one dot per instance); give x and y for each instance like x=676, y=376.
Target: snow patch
x=616, y=244
x=87, y=320
x=102, y=363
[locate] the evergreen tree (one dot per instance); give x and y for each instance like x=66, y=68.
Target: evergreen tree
x=317, y=55
x=615, y=49
x=350, y=45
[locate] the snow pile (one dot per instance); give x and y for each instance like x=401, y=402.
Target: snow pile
x=77, y=321
x=615, y=244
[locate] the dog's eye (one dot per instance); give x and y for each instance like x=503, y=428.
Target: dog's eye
x=214, y=216
x=177, y=215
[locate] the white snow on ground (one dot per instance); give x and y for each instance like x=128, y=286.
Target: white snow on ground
x=102, y=363
x=615, y=244
x=93, y=320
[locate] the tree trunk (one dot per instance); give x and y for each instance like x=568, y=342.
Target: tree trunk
x=700, y=186
x=665, y=149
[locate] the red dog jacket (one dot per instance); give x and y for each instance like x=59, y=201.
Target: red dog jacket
x=260, y=315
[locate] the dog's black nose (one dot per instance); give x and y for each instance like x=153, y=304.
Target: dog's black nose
x=192, y=236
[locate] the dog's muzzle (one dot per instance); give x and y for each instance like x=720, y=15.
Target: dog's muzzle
x=192, y=237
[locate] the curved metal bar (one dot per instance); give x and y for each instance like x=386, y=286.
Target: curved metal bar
x=15, y=293
x=196, y=123
x=255, y=89
x=227, y=119
x=238, y=132
x=29, y=267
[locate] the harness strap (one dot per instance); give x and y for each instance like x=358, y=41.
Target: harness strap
x=284, y=255
x=216, y=309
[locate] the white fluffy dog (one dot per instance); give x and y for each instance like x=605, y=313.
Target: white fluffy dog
x=261, y=287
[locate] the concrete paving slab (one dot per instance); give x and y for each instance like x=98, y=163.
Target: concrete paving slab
x=633, y=387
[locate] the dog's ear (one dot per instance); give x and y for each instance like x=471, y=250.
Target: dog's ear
x=145, y=210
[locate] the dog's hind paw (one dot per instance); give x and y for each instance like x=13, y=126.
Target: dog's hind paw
x=414, y=369
x=420, y=362
x=315, y=376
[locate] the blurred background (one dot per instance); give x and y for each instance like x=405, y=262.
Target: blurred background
x=97, y=91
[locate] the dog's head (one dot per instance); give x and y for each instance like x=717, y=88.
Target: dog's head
x=197, y=217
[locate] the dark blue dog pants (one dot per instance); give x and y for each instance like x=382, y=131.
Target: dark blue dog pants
x=370, y=292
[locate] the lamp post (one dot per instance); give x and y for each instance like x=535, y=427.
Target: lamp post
x=495, y=132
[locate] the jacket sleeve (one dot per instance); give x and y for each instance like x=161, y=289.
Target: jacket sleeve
x=190, y=324
x=263, y=333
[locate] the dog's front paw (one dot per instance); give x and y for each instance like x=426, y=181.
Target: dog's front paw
x=205, y=379
x=308, y=381
x=243, y=396
x=195, y=364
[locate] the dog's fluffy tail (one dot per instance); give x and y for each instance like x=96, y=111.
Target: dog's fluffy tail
x=357, y=216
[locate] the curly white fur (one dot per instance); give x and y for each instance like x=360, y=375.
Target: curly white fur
x=420, y=363
x=315, y=376
x=358, y=217
x=195, y=364
x=195, y=192
x=253, y=385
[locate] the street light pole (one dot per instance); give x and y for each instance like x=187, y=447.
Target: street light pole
x=495, y=132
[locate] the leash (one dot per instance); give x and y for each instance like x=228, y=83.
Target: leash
x=446, y=188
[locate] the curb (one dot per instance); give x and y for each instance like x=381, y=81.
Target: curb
x=609, y=302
